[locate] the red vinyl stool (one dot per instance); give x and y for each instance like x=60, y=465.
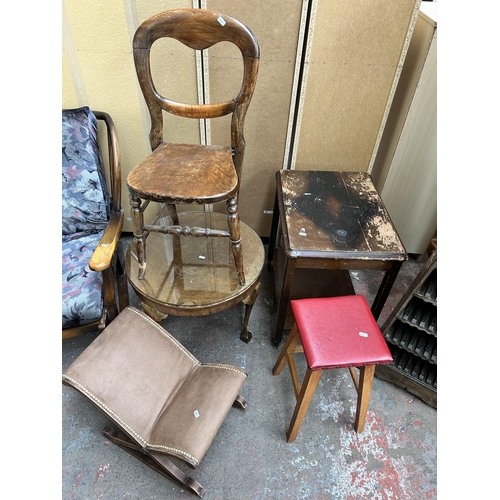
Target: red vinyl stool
x=336, y=332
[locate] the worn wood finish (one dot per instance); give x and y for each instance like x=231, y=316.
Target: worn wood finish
x=195, y=276
x=108, y=257
x=333, y=221
x=188, y=173
x=198, y=29
x=194, y=173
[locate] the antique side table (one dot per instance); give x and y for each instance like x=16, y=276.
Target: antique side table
x=196, y=276
x=325, y=224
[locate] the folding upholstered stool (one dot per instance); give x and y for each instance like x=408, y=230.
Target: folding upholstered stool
x=163, y=401
x=336, y=332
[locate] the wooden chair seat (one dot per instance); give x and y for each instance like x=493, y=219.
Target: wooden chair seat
x=333, y=332
x=185, y=173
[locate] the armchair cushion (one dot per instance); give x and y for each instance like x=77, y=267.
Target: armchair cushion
x=85, y=214
x=82, y=301
x=85, y=197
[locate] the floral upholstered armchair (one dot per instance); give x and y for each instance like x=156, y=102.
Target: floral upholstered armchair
x=94, y=286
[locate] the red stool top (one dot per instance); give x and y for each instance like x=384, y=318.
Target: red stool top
x=337, y=332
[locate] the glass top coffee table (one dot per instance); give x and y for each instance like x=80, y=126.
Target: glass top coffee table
x=196, y=276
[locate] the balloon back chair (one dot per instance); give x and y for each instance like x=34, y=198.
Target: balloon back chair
x=191, y=173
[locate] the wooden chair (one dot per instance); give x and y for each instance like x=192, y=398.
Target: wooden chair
x=335, y=332
x=191, y=173
x=94, y=285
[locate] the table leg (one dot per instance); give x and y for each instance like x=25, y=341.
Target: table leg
x=246, y=335
x=385, y=288
x=274, y=233
x=153, y=313
x=284, y=299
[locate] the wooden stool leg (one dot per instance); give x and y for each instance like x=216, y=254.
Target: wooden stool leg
x=364, y=391
x=309, y=384
x=290, y=344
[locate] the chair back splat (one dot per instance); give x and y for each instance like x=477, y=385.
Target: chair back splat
x=188, y=173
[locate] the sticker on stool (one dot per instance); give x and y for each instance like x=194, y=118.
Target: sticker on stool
x=363, y=334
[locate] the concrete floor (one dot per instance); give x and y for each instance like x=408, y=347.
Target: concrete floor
x=394, y=458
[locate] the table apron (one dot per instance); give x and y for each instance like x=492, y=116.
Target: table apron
x=311, y=263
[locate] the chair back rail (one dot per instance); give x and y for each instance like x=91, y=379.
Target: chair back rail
x=198, y=29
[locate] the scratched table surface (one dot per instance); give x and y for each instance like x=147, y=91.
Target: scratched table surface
x=337, y=215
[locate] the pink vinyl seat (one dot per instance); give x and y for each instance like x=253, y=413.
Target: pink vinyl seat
x=333, y=332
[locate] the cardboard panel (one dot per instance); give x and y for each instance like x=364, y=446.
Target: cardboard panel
x=276, y=26
x=355, y=55
x=353, y=61
x=410, y=75
x=410, y=190
x=98, y=71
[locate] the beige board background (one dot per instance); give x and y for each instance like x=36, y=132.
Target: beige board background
x=409, y=156
x=418, y=50
x=98, y=71
x=343, y=105
x=276, y=26
x=355, y=54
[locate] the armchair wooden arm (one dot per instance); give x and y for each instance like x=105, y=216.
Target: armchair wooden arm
x=103, y=254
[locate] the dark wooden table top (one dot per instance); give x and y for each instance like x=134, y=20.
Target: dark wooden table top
x=335, y=215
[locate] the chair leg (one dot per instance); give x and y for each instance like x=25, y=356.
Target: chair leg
x=172, y=210
x=140, y=240
x=309, y=384
x=366, y=374
x=240, y=402
x=121, y=278
x=234, y=232
x=110, y=297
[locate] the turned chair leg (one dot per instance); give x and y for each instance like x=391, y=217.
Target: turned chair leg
x=234, y=231
x=172, y=211
x=140, y=240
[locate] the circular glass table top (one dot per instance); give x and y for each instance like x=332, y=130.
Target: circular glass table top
x=195, y=275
